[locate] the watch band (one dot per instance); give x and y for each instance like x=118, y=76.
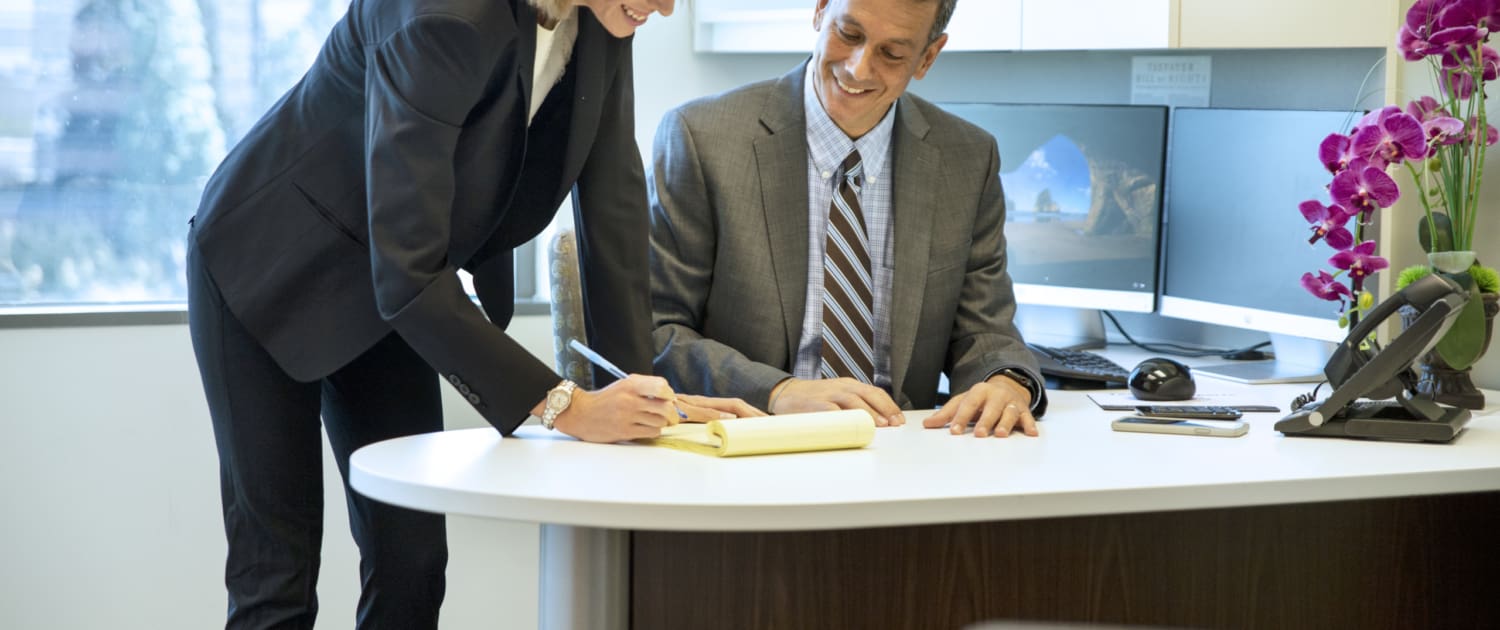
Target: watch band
x=552, y=407
x=1025, y=380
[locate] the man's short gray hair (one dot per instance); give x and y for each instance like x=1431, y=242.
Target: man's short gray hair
x=940, y=21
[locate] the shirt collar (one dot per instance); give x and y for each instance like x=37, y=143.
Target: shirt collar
x=827, y=145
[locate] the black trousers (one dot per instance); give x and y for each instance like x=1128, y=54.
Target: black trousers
x=266, y=428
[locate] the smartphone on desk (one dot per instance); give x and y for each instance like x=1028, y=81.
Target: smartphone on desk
x=1189, y=412
x=1139, y=424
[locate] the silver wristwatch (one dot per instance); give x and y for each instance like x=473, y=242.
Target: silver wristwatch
x=558, y=399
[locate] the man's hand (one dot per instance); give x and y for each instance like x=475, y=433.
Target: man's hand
x=705, y=408
x=831, y=394
x=993, y=406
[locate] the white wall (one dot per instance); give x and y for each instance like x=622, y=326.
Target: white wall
x=108, y=476
x=107, y=467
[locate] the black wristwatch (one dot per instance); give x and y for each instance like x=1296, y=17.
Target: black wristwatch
x=1025, y=380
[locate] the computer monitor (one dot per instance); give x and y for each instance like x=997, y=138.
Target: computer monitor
x=1083, y=207
x=1236, y=246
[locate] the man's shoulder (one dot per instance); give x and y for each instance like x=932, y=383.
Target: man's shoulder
x=946, y=128
x=731, y=108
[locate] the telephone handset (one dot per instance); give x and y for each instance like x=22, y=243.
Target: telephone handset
x=1360, y=368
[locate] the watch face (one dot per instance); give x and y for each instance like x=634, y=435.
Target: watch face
x=558, y=399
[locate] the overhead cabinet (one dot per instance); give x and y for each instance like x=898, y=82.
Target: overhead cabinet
x=977, y=25
x=1287, y=24
x=1095, y=24
x=787, y=25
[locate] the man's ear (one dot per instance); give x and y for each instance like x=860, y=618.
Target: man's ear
x=818, y=15
x=929, y=55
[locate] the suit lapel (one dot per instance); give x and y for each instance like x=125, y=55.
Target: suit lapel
x=781, y=163
x=526, y=28
x=915, y=177
x=588, y=92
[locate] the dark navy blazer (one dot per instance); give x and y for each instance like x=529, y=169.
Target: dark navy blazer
x=405, y=154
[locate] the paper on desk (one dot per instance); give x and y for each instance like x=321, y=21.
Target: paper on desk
x=1124, y=401
x=786, y=433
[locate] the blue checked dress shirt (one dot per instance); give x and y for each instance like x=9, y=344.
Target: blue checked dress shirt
x=827, y=146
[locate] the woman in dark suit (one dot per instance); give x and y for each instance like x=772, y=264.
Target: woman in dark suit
x=429, y=136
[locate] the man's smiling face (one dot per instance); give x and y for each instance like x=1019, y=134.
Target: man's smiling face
x=867, y=53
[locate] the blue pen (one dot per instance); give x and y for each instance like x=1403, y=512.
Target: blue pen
x=599, y=360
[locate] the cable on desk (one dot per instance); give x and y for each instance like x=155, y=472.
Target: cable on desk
x=1303, y=399
x=1247, y=353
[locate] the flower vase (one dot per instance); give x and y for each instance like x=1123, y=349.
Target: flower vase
x=1441, y=383
x=1452, y=262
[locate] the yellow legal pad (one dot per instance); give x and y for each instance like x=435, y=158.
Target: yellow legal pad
x=789, y=433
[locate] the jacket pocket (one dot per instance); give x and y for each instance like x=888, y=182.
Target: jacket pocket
x=328, y=216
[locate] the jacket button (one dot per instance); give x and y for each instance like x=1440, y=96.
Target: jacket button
x=463, y=388
x=474, y=399
x=453, y=378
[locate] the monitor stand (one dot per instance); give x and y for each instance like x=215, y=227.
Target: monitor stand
x=1061, y=327
x=1298, y=360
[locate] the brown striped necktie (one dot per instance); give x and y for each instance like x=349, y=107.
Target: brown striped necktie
x=848, y=303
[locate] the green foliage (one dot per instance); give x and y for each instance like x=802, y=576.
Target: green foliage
x=1412, y=274
x=1485, y=278
x=1444, y=230
x=1461, y=346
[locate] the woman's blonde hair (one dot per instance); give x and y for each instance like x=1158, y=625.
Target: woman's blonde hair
x=554, y=9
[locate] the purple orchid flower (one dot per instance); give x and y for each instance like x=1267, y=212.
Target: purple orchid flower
x=1413, y=39
x=1426, y=108
x=1360, y=261
x=1456, y=83
x=1439, y=26
x=1439, y=126
x=1462, y=60
x=1452, y=42
x=1457, y=13
x=1328, y=222
x=1393, y=139
x=1326, y=287
x=1374, y=117
x=1335, y=154
x=1491, y=135
x=1443, y=130
x=1363, y=188
x=1457, y=78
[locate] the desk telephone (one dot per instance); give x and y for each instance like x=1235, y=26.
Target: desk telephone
x=1361, y=369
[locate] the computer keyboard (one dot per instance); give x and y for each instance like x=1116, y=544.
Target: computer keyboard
x=1078, y=365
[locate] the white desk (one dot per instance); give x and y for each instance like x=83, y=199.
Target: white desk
x=908, y=477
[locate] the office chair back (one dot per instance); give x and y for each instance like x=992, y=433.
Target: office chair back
x=567, y=308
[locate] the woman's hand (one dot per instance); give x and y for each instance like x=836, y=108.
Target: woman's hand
x=705, y=408
x=628, y=409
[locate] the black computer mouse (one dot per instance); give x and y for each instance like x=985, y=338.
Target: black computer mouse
x=1160, y=378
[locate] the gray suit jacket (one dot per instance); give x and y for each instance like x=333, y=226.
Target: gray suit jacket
x=405, y=154
x=729, y=255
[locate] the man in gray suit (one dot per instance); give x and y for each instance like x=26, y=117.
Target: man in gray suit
x=825, y=241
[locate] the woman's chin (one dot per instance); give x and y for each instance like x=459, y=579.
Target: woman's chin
x=620, y=28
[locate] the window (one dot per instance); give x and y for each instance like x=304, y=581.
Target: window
x=113, y=113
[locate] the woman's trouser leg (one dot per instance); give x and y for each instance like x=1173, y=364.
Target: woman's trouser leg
x=389, y=392
x=266, y=429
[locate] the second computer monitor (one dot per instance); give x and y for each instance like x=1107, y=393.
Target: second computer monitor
x=1083, y=188
x=1236, y=245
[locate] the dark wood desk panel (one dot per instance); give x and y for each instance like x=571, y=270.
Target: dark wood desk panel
x=1419, y=562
